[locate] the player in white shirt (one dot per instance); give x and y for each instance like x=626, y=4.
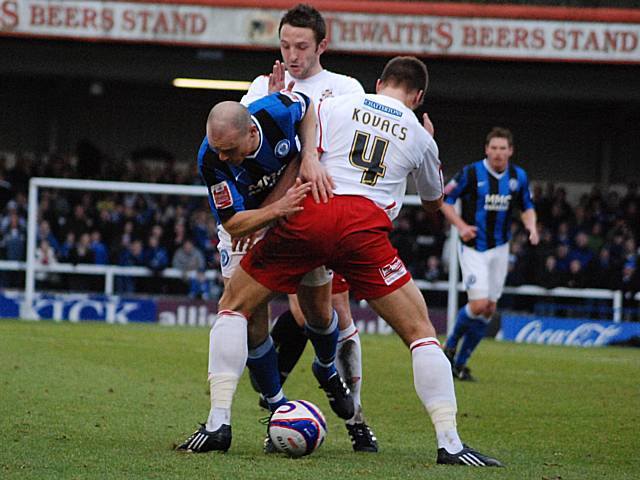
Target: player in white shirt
x=349, y=234
x=302, y=42
x=378, y=126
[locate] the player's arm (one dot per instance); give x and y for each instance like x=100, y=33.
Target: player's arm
x=466, y=231
x=433, y=205
x=428, y=178
x=257, y=90
x=530, y=221
x=249, y=221
x=286, y=181
x=310, y=168
x=528, y=215
x=456, y=187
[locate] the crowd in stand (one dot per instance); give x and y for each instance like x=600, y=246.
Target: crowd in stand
x=593, y=243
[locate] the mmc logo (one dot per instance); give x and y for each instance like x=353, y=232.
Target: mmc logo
x=496, y=202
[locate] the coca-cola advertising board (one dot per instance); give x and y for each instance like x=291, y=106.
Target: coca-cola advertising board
x=560, y=331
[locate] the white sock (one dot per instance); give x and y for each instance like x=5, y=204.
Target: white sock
x=434, y=385
x=349, y=364
x=227, y=357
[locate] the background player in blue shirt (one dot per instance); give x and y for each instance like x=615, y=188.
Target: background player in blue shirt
x=489, y=190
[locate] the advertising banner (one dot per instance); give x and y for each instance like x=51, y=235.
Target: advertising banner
x=405, y=28
x=75, y=308
x=560, y=331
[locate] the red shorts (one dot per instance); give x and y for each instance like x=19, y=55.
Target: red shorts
x=350, y=235
x=339, y=284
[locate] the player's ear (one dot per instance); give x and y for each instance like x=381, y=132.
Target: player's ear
x=322, y=46
x=379, y=85
x=419, y=98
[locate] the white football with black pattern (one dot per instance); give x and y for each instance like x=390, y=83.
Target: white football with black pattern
x=297, y=428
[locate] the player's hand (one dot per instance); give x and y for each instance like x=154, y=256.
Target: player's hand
x=427, y=124
x=534, y=238
x=290, y=203
x=468, y=232
x=242, y=244
x=276, y=77
x=314, y=172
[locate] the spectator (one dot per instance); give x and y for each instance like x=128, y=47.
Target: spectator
x=100, y=252
x=577, y=277
x=13, y=242
x=403, y=239
x=130, y=256
x=199, y=231
x=550, y=276
x=45, y=257
x=596, y=238
x=581, y=251
x=603, y=271
x=188, y=258
x=630, y=285
x=44, y=233
x=156, y=259
x=179, y=236
x=433, y=272
x=67, y=247
x=200, y=287
x=82, y=252
x=13, y=231
x=562, y=258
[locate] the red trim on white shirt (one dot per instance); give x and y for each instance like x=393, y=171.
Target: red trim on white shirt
x=320, y=149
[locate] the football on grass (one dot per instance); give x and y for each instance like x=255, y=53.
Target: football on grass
x=297, y=428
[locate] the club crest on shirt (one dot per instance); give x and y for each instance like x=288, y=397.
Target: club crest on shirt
x=326, y=94
x=224, y=258
x=513, y=184
x=222, y=197
x=393, y=271
x=282, y=148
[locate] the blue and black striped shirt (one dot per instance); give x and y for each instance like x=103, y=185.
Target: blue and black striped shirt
x=488, y=200
x=236, y=188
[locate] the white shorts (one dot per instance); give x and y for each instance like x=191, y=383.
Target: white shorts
x=229, y=261
x=484, y=273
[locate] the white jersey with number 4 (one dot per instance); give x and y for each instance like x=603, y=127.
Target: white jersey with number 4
x=322, y=85
x=371, y=143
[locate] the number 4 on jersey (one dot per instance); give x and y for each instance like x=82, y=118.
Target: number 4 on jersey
x=373, y=165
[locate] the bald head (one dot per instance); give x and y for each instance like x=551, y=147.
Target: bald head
x=228, y=117
x=231, y=132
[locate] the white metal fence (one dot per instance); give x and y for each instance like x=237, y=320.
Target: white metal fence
x=452, y=286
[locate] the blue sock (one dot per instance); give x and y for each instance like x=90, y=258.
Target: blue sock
x=325, y=344
x=263, y=363
x=463, y=320
x=472, y=339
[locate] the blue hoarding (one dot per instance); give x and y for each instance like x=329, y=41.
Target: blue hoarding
x=561, y=331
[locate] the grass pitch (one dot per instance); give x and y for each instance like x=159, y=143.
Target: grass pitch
x=109, y=402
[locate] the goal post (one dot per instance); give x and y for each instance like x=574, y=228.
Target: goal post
x=36, y=183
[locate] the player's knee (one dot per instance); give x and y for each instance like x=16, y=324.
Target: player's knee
x=479, y=307
x=411, y=330
x=230, y=302
x=319, y=319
